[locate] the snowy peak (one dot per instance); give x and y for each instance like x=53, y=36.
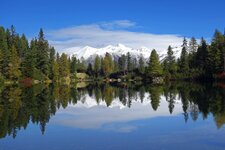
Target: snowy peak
x=89, y=53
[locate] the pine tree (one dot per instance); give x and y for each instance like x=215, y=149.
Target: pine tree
x=73, y=65
x=115, y=66
x=154, y=67
x=52, y=61
x=141, y=67
x=64, y=68
x=170, y=62
x=183, y=64
x=108, y=64
x=14, y=65
x=129, y=62
x=193, y=45
x=56, y=71
x=217, y=52
x=97, y=65
x=202, y=56
x=4, y=52
x=1, y=62
x=122, y=63
x=42, y=54
x=28, y=65
x=90, y=70
x=184, y=61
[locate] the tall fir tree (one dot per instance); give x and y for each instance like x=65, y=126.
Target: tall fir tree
x=170, y=62
x=14, y=65
x=184, y=61
x=52, y=60
x=42, y=54
x=141, y=67
x=64, y=67
x=73, y=65
x=154, y=66
x=193, y=45
x=97, y=65
x=108, y=64
x=122, y=64
x=129, y=62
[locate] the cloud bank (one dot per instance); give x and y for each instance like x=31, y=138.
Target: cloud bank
x=110, y=33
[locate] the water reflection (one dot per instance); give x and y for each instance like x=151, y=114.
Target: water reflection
x=99, y=105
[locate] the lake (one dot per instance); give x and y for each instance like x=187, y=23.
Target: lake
x=186, y=116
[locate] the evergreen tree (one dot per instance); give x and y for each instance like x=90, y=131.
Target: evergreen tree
x=170, y=62
x=42, y=54
x=122, y=63
x=52, y=61
x=55, y=71
x=108, y=64
x=81, y=66
x=28, y=67
x=14, y=65
x=217, y=52
x=154, y=67
x=73, y=65
x=90, y=70
x=202, y=56
x=193, y=45
x=97, y=65
x=129, y=62
x=115, y=66
x=184, y=62
x=4, y=51
x=64, y=68
x=141, y=67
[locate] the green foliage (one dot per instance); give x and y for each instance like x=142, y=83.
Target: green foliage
x=38, y=60
x=42, y=54
x=169, y=64
x=154, y=67
x=64, y=66
x=183, y=61
x=122, y=63
x=141, y=67
x=73, y=65
x=107, y=64
x=97, y=65
x=14, y=72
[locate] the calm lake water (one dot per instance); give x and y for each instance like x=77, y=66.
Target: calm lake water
x=184, y=116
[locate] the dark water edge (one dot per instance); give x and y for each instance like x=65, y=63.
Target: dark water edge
x=176, y=115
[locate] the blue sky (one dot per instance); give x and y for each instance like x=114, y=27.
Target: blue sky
x=174, y=17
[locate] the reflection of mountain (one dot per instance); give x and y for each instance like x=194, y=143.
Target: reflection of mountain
x=90, y=114
x=98, y=105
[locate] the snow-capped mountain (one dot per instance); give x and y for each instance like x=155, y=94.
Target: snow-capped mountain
x=89, y=53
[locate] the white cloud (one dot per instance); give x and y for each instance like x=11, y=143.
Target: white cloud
x=106, y=33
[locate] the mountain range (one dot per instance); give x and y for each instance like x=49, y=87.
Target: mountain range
x=88, y=53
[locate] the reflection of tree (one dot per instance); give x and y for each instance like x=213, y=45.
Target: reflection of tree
x=142, y=93
x=155, y=92
x=122, y=96
x=108, y=94
x=11, y=104
x=19, y=106
x=64, y=95
x=194, y=111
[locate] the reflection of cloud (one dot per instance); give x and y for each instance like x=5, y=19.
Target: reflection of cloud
x=124, y=128
x=96, y=116
x=110, y=33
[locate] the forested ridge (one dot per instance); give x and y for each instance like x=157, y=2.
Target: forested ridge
x=36, y=60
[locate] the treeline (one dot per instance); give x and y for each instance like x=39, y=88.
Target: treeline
x=38, y=61
x=20, y=106
x=197, y=61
